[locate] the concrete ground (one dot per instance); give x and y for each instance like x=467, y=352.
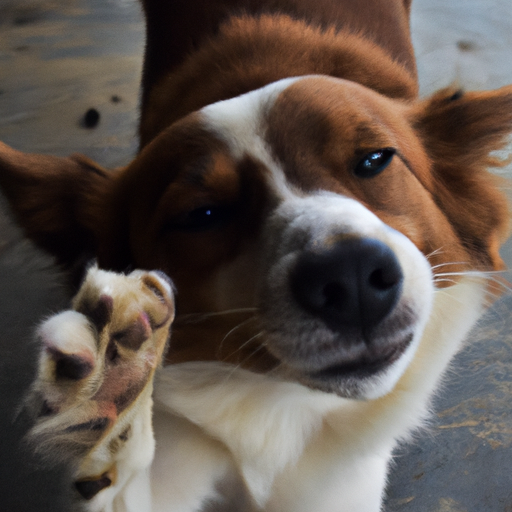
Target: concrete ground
x=59, y=58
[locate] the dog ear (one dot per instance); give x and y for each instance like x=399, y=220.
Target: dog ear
x=58, y=202
x=460, y=131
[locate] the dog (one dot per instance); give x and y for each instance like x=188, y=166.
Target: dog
x=330, y=236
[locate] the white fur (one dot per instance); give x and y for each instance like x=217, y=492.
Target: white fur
x=67, y=332
x=302, y=450
x=240, y=122
x=131, y=491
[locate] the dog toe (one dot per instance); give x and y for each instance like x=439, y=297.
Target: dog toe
x=68, y=348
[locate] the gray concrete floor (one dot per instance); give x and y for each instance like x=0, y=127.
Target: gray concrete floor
x=58, y=58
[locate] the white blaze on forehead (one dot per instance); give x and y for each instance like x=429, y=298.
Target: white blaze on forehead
x=240, y=123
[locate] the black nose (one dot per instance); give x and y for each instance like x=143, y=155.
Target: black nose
x=355, y=283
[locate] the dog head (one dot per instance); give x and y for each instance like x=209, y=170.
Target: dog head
x=306, y=224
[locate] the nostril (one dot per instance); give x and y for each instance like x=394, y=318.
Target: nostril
x=384, y=279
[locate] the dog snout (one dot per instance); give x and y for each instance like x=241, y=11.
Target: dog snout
x=354, y=283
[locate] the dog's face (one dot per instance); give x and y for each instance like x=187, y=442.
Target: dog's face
x=307, y=224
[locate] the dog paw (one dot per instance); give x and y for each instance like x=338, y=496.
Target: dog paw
x=97, y=363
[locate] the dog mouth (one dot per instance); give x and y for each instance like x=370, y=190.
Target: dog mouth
x=343, y=313
x=321, y=358
x=368, y=365
x=350, y=366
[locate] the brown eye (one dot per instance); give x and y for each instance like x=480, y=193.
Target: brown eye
x=374, y=163
x=204, y=218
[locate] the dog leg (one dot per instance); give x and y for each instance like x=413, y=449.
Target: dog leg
x=92, y=397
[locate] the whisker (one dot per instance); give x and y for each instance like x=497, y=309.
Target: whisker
x=244, y=344
x=449, y=274
x=199, y=317
x=444, y=280
x=231, y=331
x=499, y=284
x=485, y=274
x=440, y=265
x=239, y=365
x=439, y=250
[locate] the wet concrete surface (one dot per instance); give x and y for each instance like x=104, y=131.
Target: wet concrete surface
x=60, y=58
x=463, y=461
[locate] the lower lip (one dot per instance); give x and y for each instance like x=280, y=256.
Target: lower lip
x=364, y=367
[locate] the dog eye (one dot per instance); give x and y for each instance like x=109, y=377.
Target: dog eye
x=374, y=163
x=203, y=219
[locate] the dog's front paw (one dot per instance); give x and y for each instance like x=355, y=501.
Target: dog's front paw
x=95, y=377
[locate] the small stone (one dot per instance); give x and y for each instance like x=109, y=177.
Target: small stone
x=91, y=118
x=466, y=46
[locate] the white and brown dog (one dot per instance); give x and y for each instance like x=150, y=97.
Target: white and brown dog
x=329, y=236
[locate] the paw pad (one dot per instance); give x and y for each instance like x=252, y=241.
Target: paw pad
x=99, y=313
x=134, y=335
x=70, y=366
x=89, y=488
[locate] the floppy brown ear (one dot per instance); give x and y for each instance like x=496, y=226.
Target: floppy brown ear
x=57, y=201
x=459, y=131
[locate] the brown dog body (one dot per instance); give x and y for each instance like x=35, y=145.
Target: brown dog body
x=216, y=52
